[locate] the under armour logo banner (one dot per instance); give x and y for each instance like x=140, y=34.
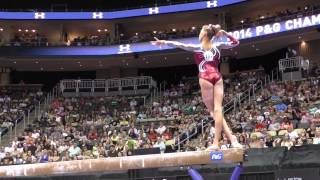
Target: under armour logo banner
x=154, y=10
x=124, y=49
x=96, y=15
x=212, y=4
x=41, y=15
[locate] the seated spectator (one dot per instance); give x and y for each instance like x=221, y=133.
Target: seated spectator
x=286, y=142
x=152, y=135
x=316, y=139
x=161, y=129
x=160, y=144
x=167, y=135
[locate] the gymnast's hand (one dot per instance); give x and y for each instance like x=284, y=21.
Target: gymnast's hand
x=158, y=42
x=222, y=33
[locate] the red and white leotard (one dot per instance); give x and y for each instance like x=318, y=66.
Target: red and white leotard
x=207, y=60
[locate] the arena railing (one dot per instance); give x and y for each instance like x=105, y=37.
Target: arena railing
x=118, y=86
x=289, y=63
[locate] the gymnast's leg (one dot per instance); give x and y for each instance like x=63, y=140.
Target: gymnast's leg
x=207, y=92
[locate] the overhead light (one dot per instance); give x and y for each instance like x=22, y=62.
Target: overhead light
x=19, y=30
x=174, y=30
x=105, y=30
x=121, y=34
x=99, y=30
x=33, y=30
x=303, y=43
x=193, y=28
x=154, y=32
x=137, y=34
x=26, y=30
x=1, y=29
x=242, y=21
x=261, y=17
x=306, y=8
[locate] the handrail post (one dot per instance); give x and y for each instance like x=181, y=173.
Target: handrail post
x=24, y=120
x=28, y=116
x=15, y=127
x=202, y=127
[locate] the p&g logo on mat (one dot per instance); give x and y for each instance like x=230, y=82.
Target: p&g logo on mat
x=216, y=156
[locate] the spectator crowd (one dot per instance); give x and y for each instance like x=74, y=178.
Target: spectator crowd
x=76, y=128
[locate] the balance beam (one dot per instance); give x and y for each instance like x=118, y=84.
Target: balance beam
x=124, y=163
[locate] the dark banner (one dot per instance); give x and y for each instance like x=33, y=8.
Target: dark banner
x=302, y=157
x=298, y=174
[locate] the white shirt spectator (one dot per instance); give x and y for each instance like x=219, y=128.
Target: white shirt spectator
x=160, y=130
x=164, y=109
x=212, y=131
x=293, y=135
x=2, y=154
x=316, y=140
x=8, y=149
x=35, y=135
x=39, y=93
x=225, y=146
x=260, y=118
x=133, y=103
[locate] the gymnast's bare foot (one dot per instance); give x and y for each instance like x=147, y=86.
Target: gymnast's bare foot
x=213, y=147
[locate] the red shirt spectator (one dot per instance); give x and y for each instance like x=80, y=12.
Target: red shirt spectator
x=152, y=135
x=92, y=135
x=167, y=135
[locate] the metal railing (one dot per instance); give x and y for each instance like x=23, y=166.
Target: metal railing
x=107, y=86
x=293, y=62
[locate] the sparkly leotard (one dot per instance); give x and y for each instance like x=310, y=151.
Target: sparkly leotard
x=207, y=61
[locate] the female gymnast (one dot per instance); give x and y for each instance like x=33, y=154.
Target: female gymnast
x=207, y=57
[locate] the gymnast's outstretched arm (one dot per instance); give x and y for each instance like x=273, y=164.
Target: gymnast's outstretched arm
x=176, y=44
